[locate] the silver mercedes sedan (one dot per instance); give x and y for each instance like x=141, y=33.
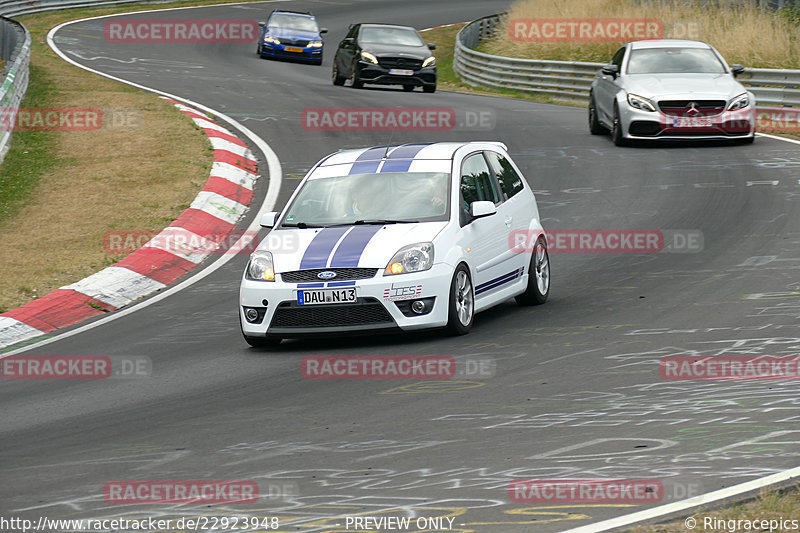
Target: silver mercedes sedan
x=668, y=90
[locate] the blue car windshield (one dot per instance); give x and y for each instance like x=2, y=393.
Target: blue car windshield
x=371, y=198
x=293, y=22
x=674, y=60
x=398, y=36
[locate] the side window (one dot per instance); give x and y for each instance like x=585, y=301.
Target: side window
x=476, y=181
x=617, y=59
x=510, y=182
x=353, y=32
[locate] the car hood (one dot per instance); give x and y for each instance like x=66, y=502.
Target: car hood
x=368, y=246
x=288, y=33
x=393, y=50
x=705, y=86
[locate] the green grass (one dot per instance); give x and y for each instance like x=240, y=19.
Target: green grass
x=31, y=153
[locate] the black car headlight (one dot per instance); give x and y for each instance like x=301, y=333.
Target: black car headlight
x=369, y=58
x=641, y=103
x=739, y=102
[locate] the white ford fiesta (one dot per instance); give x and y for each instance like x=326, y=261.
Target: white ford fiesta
x=396, y=238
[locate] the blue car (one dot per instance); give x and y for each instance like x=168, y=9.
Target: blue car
x=291, y=34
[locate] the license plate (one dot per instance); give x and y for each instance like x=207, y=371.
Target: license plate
x=326, y=296
x=294, y=49
x=692, y=122
x=401, y=72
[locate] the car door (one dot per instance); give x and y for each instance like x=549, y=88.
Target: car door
x=346, y=51
x=486, y=238
x=607, y=88
x=516, y=210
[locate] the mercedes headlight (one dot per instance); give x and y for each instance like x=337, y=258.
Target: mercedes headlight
x=412, y=258
x=430, y=62
x=740, y=102
x=370, y=58
x=270, y=39
x=641, y=103
x=315, y=44
x=261, y=267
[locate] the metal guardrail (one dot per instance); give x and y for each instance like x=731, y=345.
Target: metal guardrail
x=571, y=80
x=17, y=46
x=13, y=8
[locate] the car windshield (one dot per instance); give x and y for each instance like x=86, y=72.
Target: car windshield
x=387, y=197
x=293, y=22
x=674, y=60
x=398, y=36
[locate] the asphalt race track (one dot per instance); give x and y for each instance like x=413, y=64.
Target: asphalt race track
x=574, y=388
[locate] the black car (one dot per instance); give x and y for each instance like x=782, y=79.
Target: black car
x=385, y=54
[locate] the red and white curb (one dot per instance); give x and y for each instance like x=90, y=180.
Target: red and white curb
x=173, y=252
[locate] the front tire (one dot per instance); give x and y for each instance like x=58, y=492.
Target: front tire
x=538, y=276
x=355, y=83
x=337, y=79
x=429, y=88
x=461, y=310
x=408, y=88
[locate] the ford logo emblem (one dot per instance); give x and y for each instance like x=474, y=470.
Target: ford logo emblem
x=327, y=274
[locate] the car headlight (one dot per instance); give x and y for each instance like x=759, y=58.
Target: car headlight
x=261, y=267
x=366, y=56
x=740, y=102
x=271, y=39
x=315, y=44
x=412, y=258
x=430, y=62
x=641, y=103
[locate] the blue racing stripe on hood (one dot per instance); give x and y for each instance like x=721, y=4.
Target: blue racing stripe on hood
x=349, y=251
x=320, y=248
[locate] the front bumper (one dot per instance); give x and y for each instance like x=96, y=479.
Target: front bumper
x=647, y=125
x=380, y=75
x=280, y=50
x=380, y=306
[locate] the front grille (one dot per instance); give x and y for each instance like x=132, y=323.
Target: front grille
x=681, y=108
x=367, y=312
x=400, y=62
x=293, y=42
x=342, y=274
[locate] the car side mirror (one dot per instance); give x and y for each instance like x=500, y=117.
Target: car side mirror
x=261, y=23
x=323, y=30
x=431, y=46
x=482, y=208
x=268, y=219
x=611, y=70
x=737, y=69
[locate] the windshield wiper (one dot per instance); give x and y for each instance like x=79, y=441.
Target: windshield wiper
x=301, y=225
x=381, y=222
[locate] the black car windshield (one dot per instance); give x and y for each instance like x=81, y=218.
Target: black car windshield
x=394, y=197
x=293, y=22
x=674, y=60
x=398, y=36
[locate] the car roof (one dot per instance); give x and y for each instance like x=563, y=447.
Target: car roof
x=416, y=151
x=668, y=43
x=380, y=25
